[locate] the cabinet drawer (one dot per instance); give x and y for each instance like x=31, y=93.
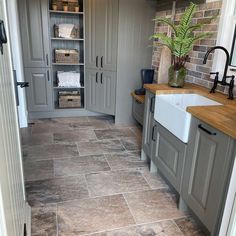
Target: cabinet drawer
x=138, y=110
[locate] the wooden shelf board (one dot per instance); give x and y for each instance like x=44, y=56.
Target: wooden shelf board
x=55, y=87
x=68, y=64
x=66, y=12
x=65, y=39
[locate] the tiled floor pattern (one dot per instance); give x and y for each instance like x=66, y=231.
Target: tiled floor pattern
x=84, y=176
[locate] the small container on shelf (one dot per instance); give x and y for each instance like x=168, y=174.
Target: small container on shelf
x=69, y=99
x=76, y=7
x=68, y=79
x=54, y=5
x=70, y=56
x=69, y=31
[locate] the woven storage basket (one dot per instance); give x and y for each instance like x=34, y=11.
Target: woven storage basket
x=66, y=56
x=74, y=32
x=69, y=99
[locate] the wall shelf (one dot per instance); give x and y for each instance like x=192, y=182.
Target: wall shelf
x=65, y=39
x=66, y=12
x=68, y=64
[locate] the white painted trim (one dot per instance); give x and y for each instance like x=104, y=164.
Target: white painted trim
x=3, y=230
x=232, y=226
x=225, y=34
x=17, y=58
x=227, y=215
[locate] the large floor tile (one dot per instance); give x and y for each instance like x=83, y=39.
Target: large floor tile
x=125, y=160
x=50, y=127
x=132, y=143
x=75, y=136
x=114, y=182
x=92, y=124
x=114, y=133
x=51, y=151
x=93, y=215
x=80, y=165
x=100, y=147
x=56, y=190
x=69, y=120
x=38, y=170
x=44, y=221
x=154, y=180
x=153, y=205
x=37, y=139
x=163, y=228
x=189, y=227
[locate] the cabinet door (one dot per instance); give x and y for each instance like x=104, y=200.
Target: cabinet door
x=109, y=44
x=108, y=92
x=207, y=168
x=93, y=90
x=168, y=155
x=93, y=33
x=39, y=93
x=148, y=124
x=34, y=32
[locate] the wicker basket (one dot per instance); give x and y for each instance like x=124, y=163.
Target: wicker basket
x=69, y=99
x=66, y=56
x=74, y=33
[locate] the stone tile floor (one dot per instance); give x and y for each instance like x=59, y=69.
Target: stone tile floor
x=84, y=176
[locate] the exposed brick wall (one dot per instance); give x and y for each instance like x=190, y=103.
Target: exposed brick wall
x=197, y=72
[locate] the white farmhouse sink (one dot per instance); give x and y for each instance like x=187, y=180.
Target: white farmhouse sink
x=170, y=112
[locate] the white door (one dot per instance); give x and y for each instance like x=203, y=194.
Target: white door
x=12, y=195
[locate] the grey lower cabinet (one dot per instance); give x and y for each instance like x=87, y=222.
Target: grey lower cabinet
x=100, y=89
x=207, y=168
x=34, y=24
x=39, y=93
x=138, y=111
x=149, y=125
x=168, y=155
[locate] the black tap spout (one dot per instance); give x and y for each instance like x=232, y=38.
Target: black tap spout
x=223, y=82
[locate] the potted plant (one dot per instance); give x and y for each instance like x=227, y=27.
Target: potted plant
x=65, y=6
x=181, y=42
x=54, y=5
x=76, y=7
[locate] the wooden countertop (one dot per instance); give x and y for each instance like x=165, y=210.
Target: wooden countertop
x=140, y=98
x=222, y=117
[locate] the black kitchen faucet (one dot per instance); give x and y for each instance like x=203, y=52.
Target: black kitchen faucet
x=225, y=76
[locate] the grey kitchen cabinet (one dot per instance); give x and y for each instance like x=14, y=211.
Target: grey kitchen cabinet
x=207, y=168
x=34, y=24
x=168, y=155
x=101, y=50
x=138, y=111
x=101, y=34
x=100, y=89
x=39, y=93
x=149, y=125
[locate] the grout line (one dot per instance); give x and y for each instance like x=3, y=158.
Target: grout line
x=131, y=212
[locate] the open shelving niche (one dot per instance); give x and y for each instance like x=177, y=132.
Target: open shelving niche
x=61, y=17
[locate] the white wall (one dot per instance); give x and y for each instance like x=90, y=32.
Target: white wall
x=17, y=58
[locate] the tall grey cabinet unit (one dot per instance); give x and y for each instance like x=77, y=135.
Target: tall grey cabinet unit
x=101, y=54
x=36, y=53
x=35, y=33
x=208, y=164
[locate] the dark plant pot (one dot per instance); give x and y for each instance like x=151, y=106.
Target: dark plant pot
x=177, y=77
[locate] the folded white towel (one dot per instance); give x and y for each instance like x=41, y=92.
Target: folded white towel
x=68, y=79
x=65, y=30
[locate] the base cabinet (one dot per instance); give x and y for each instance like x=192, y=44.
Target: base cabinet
x=149, y=125
x=206, y=172
x=39, y=93
x=169, y=154
x=100, y=90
